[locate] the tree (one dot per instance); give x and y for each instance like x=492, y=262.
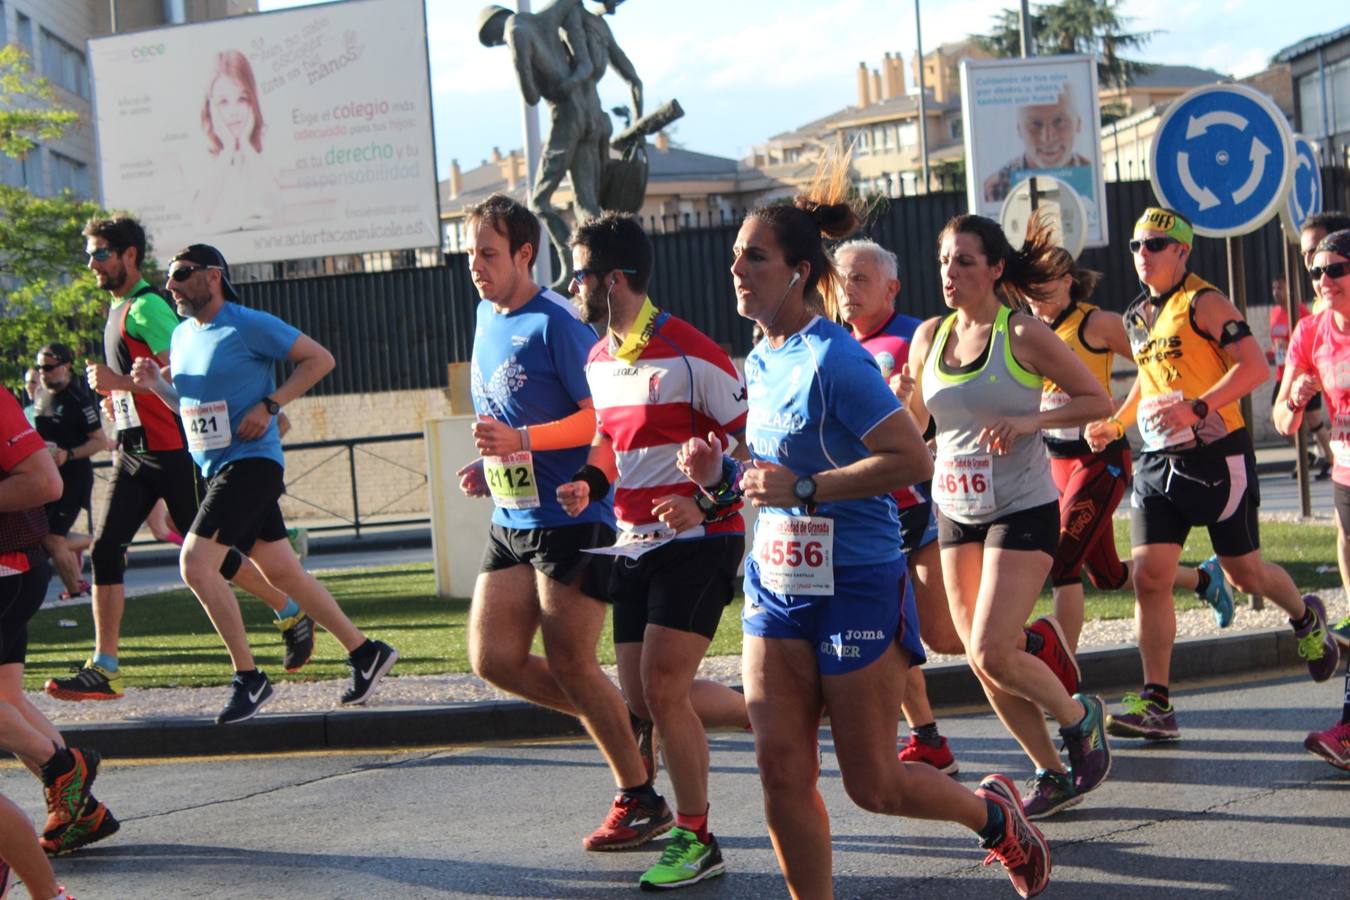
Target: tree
x=1092, y=27
x=45, y=292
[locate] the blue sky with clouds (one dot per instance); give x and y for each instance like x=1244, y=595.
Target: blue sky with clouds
x=746, y=69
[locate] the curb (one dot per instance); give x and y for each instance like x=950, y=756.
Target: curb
x=949, y=684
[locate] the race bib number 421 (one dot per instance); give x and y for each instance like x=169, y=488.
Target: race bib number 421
x=207, y=426
x=795, y=554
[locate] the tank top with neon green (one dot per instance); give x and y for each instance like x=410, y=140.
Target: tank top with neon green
x=971, y=484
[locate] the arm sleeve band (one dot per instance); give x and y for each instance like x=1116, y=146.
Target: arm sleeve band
x=575, y=430
x=1233, y=331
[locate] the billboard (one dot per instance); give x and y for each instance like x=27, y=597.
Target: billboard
x=278, y=136
x=1027, y=117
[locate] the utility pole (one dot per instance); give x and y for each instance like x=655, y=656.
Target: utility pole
x=923, y=108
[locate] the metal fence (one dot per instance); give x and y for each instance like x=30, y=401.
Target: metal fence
x=398, y=330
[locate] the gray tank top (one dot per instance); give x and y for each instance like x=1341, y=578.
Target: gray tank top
x=970, y=484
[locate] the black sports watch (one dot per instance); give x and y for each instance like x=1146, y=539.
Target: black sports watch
x=706, y=504
x=273, y=407
x=1200, y=408
x=804, y=489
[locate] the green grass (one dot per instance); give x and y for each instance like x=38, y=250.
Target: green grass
x=167, y=639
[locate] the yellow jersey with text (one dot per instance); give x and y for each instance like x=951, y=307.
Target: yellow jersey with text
x=1068, y=327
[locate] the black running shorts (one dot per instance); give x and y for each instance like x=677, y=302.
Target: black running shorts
x=20, y=597
x=684, y=585
x=1213, y=486
x=240, y=507
x=1028, y=529
x=556, y=552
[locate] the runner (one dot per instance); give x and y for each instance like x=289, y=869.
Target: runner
x=69, y=422
x=980, y=371
x=656, y=380
x=151, y=463
x=871, y=282
x=1196, y=359
x=1319, y=361
x=829, y=616
x=1091, y=484
x=535, y=421
x=1279, y=349
x=224, y=361
x=1315, y=228
x=28, y=477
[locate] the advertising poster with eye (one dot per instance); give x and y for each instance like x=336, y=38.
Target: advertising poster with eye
x=285, y=135
x=1033, y=117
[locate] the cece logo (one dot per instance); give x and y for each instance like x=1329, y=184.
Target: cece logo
x=149, y=51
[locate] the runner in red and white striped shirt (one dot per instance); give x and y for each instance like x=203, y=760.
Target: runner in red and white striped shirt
x=657, y=382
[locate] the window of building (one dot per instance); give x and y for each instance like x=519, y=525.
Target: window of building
x=954, y=129
x=11, y=171
x=1337, y=118
x=909, y=134
x=69, y=174
x=32, y=172
x=23, y=31
x=64, y=65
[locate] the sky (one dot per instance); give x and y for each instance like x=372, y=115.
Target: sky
x=747, y=69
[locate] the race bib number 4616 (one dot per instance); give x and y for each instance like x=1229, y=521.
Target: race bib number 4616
x=207, y=426
x=795, y=554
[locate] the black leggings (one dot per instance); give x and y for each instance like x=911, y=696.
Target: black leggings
x=20, y=598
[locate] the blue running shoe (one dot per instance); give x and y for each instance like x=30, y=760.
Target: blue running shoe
x=1217, y=594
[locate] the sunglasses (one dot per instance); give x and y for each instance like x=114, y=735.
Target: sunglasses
x=1333, y=271
x=1153, y=244
x=581, y=275
x=183, y=273
x=49, y=366
x=101, y=254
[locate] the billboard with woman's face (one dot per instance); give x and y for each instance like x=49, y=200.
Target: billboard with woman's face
x=1028, y=117
x=281, y=136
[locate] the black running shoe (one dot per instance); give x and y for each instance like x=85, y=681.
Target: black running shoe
x=249, y=691
x=369, y=664
x=298, y=633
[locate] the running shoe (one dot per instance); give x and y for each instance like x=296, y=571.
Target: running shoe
x=644, y=732
x=1089, y=750
x=299, y=540
x=1022, y=849
x=1217, y=594
x=1333, y=745
x=297, y=632
x=1341, y=632
x=630, y=823
x=1048, y=793
x=1052, y=648
x=83, y=591
x=248, y=692
x=685, y=861
x=90, y=682
x=67, y=794
x=1323, y=470
x=939, y=757
x=1316, y=643
x=369, y=662
x=1144, y=717
x=94, y=824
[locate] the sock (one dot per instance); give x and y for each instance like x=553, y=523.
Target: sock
x=106, y=661
x=367, y=647
x=1345, y=710
x=248, y=674
x=175, y=537
x=1034, y=642
x=289, y=610
x=1308, y=618
x=993, y=829
x=696, y=824
x=643, y=791
x=928, y=734
x=1202, y=584
x=1158, y=692
x=61, y=762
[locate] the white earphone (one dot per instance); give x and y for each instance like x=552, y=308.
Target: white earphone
x=796, y=277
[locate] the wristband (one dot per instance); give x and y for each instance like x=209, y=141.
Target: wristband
x=595, y=478
x=524, y=433
x=1120, y=429
x=727, y=491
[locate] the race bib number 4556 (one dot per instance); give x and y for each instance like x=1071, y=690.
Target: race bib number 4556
x=207, y=426
x=795, y=554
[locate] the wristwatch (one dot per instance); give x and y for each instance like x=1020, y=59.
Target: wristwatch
x=273, y=407
x=1200, y=408
x=804, y=489
x=706, y=504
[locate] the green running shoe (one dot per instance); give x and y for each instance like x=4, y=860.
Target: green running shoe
x=686, y=860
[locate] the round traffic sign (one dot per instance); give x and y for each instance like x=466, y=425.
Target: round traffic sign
x=1222, y=157
x=1060, y=205
x=1305, y=187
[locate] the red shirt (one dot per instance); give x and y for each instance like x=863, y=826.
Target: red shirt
x=18, y=441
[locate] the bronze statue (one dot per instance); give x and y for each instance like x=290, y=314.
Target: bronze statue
x=560, y=55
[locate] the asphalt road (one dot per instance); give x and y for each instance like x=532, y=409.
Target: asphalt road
x=1237, y=809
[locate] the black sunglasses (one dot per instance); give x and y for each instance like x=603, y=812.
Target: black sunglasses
x=581, y=275
x=183, y=273
x=49, y=366
x=101, y=254
x=1332, y=270
x=1153, y=244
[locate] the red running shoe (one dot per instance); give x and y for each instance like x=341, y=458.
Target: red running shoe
x=629, y=824
x=1022, y=849
x=1054, y=651
x=939, y=757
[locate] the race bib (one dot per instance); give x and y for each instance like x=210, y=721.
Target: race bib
x=1054, y=400
x=207, y=426
x=1280, y=354
x=511, y=480
x=1340, y=438
x=964, y=485
x=1154, y=438
x=633, y=544
x=124, y=410
x=795, y=554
